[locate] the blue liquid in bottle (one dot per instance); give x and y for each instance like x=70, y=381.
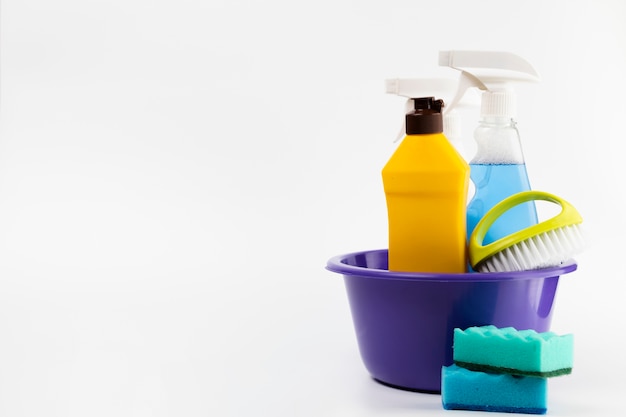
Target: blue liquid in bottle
x=495, y=182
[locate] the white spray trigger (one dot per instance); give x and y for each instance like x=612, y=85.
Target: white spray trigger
x=466, y=81
x=412, y=88
x=408, y=106
x=490, y=71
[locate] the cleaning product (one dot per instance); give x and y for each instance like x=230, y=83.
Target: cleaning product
x=498, y=168
x=462, y=389
x=542, y=245
x=444, y=88
x=425, y=183
x=515, y=352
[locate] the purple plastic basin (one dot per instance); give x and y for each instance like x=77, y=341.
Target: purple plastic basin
x=404, y=322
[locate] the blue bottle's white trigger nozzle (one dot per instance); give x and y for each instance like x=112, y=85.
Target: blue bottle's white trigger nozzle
x=466, y=81
x=492, y=72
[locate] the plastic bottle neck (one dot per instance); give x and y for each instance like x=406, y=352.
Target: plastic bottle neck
x=498, y=142
x=498, y=104
x=492, y=121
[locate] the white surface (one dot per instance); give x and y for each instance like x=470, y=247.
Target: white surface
x=174, y=176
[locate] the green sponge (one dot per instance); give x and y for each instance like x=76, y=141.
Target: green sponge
x=511, y=351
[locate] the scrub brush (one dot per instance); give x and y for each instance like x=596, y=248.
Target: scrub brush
x=542, y=245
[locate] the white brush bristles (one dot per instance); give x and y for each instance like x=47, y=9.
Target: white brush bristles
x=544, y=250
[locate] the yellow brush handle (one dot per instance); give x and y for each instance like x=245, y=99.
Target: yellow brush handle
x=477, y=252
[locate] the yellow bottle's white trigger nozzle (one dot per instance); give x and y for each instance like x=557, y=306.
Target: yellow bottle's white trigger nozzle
x=443, y=88
x=413, y=88
x=420, y=87
x=408, y=106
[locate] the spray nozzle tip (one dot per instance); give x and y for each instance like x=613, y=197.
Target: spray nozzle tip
x=391, y=86
x=444, y=58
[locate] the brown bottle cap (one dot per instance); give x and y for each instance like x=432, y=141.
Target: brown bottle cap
x=426, y=118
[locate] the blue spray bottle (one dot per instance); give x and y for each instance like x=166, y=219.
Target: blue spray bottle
x=498, y=168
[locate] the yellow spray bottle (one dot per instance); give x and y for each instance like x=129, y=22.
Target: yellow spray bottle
x=426, y=182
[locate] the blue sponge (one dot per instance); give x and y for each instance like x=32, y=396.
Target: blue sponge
x=462, y=389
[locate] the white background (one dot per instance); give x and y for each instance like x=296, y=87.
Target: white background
x=174, y=176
